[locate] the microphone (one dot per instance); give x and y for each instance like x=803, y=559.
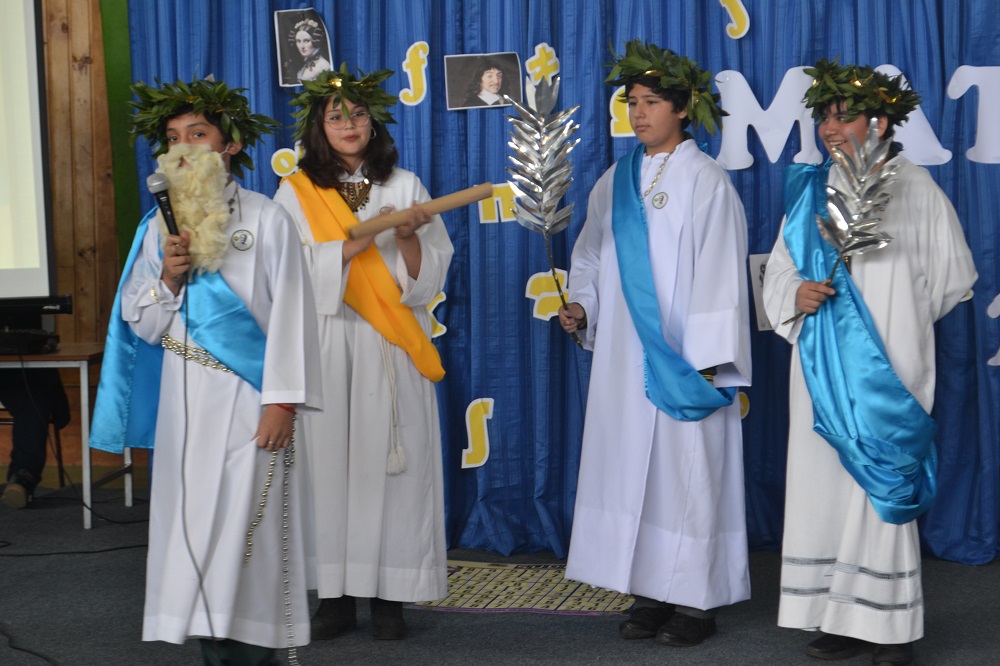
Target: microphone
x=157, y=185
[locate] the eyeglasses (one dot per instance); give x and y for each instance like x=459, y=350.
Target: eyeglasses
x=338, y=121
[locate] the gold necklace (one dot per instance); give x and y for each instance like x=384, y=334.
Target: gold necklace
x=657, y=176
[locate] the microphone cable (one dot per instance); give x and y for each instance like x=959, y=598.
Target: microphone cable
x=183, y=471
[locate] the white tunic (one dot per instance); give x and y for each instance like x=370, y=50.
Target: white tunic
x=660, y=506
x=845, y=571
x=207, y=418
x=376, y=535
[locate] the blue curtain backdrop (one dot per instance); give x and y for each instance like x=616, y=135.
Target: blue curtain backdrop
x=521, y=499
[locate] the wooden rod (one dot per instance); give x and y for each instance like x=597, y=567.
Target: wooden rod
x=434, y=207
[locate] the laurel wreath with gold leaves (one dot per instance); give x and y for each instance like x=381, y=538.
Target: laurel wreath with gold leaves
x=155, y=105
x=862, y=90
x=362, y=89
x=675, y=72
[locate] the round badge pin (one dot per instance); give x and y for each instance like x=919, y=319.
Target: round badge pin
x=242, y=240
x=659, y=200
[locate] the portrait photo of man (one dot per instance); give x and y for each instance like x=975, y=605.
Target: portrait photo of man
x=482, y=80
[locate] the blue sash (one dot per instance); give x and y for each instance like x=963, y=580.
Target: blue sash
x=884, y=437
x=215, y=317
x=672, y=384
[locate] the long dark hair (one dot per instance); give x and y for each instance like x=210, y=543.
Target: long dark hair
x=325, y=168
x=476, y=82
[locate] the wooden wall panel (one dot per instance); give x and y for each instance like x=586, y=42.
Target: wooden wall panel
x=82, y=190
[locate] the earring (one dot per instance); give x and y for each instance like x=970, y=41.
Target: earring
x=373, y=133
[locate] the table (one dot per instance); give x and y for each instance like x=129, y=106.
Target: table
x=80, y=355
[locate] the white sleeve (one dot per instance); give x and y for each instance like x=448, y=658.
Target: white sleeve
x=324, y=261
x=781, y=283
x=147, y=303
x=585, y=263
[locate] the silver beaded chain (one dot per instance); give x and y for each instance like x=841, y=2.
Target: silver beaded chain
x=289, y=461
x=293, y=659
x=260, y=508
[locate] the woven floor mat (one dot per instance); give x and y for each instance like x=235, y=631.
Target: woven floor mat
x=533, y=588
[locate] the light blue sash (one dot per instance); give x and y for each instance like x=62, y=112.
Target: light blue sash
x=884, y=437
x=215, y=317
x=672, y=384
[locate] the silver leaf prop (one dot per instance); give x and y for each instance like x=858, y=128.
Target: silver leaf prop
x=855, y=197
x=540, y=167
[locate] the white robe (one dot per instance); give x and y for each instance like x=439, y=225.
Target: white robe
x=660, y=506
x=844, y=570
x=376, y=535
x=206, y=421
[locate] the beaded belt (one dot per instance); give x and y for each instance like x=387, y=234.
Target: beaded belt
x=196, y=354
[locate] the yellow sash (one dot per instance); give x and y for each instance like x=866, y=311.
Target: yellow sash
x=370, y=289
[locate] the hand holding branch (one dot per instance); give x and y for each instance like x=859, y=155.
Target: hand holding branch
x=572, y=317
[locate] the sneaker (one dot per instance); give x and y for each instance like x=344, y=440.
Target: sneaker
x=15, y=495
x=644, y=621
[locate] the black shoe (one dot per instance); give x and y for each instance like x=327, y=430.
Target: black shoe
x=15, y=495
x=834, y=648
x=387, y=620
x=333, y=617
x=643, y=622
x=685, y=631
x=893, y=655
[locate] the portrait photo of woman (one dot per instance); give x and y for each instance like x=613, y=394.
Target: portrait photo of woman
x=303, y=46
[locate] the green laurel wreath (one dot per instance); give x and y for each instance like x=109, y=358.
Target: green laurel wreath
x=362, y=89
x=861, y=88
x=676, y=72
x=155, y=104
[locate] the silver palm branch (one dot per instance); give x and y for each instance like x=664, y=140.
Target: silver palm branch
x=856, y=195
x=540, y=169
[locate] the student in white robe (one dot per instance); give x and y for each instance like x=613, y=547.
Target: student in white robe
x=208, y=354
x=375, y=451
x=658, y=286
x=851, y=555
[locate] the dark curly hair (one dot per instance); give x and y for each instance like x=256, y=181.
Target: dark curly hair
x=476, y=82
x=679, y=98
x=325, y=168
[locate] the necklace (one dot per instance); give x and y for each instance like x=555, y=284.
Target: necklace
x=233, y=200
x=656, y=177
x=355, y=194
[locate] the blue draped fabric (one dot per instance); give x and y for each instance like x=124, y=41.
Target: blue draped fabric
x=128, y=362
x=216, y=318
x=522, y=498
x=672, y=384
x=884, y=437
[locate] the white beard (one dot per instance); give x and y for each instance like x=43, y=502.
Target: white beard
x=197, y=196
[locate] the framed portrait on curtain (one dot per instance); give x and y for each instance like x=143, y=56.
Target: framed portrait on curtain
x=303, y=46
x=481, y=80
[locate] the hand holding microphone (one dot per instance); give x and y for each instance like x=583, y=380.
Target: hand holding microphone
x=157, y=185
x=176, y=260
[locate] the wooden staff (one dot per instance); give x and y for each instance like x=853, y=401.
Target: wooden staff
x=434, y=207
